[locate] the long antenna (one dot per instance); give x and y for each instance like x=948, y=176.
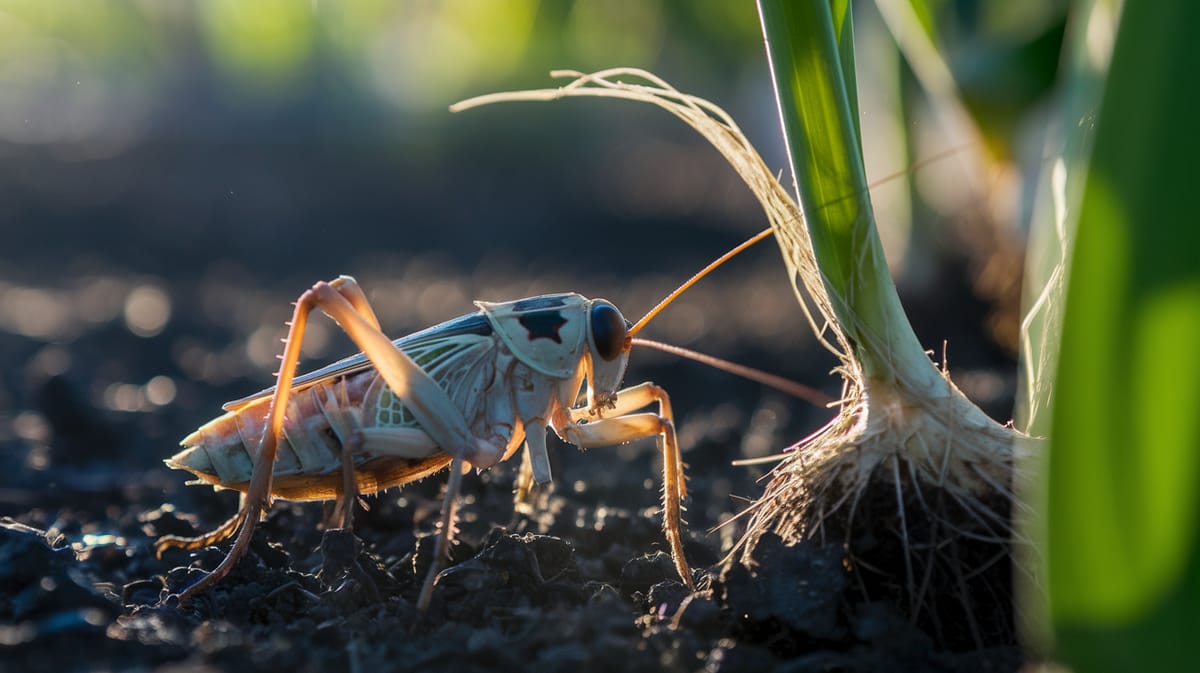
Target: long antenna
x=692, y=281
x=807, y=393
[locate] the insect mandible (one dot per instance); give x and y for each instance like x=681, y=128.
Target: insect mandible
x=467, y=393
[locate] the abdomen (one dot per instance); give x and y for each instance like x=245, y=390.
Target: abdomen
x=309, y=459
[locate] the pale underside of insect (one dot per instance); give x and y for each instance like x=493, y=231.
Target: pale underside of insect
x=466, y=393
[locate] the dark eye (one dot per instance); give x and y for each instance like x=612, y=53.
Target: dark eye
x=608, y=331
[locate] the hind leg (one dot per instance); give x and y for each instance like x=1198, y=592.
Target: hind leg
x=345, y=302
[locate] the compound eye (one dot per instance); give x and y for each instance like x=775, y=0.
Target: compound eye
x=608, y=331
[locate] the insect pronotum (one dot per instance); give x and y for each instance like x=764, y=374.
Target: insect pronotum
x=466, y=393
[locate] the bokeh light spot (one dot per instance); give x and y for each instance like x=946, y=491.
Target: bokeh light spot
x=147, y=310
x=160, y=391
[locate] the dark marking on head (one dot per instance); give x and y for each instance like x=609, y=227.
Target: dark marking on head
x=543, y=325
x=535, y=303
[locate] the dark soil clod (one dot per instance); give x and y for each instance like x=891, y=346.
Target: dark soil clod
x=788, y=603
x=643, y=572
x=142, y=592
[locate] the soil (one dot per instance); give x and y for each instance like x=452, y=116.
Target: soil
x=580, y=584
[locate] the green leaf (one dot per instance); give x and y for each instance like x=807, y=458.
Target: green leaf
x=1123, y=519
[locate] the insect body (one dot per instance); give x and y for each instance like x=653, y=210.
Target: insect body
x=466, y=393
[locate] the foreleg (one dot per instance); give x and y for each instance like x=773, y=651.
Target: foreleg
x=619, y=429
x=629, y=400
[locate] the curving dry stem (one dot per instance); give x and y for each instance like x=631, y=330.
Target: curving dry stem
x=719, y=129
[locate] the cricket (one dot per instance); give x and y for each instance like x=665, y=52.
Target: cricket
x=464, y=394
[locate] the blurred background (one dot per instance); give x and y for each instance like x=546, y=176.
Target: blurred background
x=172, y=175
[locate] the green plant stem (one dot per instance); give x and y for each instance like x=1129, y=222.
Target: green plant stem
x=809, y=45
